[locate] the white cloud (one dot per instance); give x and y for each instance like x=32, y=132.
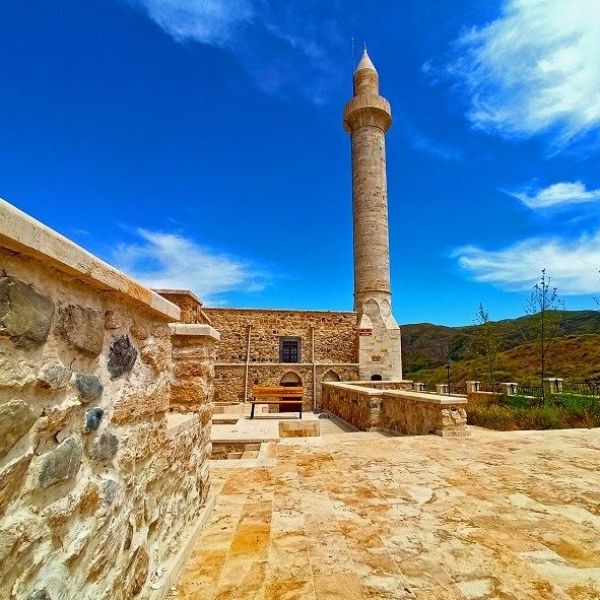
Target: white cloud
x=534, y=69
x=558, y=194
x=167, y=260
x=285, y=46
x=208, y=21
x=573, y=265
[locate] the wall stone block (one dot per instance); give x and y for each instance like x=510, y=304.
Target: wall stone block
x=104, y=447
x=93, y=417
x=89, y=387
x=121, y=356
x=54, y=376
x=60, y=464
x=25, y=313
x=16, y=419
x=82, y=328
x=12, y=478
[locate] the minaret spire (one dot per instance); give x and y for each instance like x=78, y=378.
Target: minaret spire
x=367, y=116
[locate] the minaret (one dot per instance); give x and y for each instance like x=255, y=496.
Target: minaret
x=366, y=118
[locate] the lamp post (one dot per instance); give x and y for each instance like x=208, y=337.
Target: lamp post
x=448, y=367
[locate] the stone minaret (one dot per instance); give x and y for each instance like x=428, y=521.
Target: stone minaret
x=366, y=118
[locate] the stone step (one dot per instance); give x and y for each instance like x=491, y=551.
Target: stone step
x=250, y=454
x=234, y=455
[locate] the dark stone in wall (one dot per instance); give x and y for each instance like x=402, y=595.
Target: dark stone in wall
x=60, y=464
x=89, y=387
x=25, y=314
x=121, y=356
x=42, y=594
x=16, y=418
x=82, y=328
x=104, y=447
x=93, y=418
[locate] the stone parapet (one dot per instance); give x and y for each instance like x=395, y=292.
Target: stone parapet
x=27, y=237
x=99, y=480
x=396, y=411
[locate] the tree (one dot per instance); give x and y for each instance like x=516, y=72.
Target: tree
x=545, y=311
x=484, y=342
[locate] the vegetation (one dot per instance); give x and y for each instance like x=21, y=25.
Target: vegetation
x=544, y=322
x=556, y=411
x=574, y=353
x=484, y=343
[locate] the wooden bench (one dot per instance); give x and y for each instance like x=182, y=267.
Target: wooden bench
x=270, y=394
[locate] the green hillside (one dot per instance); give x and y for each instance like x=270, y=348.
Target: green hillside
x=426, y=348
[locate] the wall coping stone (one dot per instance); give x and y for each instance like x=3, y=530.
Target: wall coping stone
x=25, y=235
x=438, y=399
x=189, y=293
x=194, y=330
x=278, y=310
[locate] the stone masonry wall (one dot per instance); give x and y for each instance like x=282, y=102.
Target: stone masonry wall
x=100, y=476
x=396, y=411
x=335, y=334
x=335, y=349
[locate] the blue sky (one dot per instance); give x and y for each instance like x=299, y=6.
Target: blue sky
x=198, y=143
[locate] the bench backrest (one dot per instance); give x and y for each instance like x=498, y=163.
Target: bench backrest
x=279, y=391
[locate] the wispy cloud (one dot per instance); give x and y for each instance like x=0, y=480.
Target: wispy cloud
x=287, y=47
x=559, y=194
x=424, y=144
x=573, y=265
x=534, y=69
x=168, y=260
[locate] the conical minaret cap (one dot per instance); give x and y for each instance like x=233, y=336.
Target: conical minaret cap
x=365, y=63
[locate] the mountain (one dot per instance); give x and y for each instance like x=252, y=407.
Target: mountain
x=427, y=348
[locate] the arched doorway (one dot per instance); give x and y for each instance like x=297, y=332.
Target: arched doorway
x=331, y=376
x=290, y=379
x=376, y=377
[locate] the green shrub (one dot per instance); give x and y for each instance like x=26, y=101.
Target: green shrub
x=559, y=411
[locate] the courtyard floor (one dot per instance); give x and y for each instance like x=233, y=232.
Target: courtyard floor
x=359, y=515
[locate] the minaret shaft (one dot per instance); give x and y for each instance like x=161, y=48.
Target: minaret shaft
x=367, y=117
x=370, y=211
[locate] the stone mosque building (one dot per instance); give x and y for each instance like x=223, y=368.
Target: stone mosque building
x=296, y=347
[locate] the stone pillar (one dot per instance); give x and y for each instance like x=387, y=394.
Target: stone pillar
x=553, y=385
x=442, y=389
x=473, y=386
x=418, y=386
x=367, y=116
x=509, y=389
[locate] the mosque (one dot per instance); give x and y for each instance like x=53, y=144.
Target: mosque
x=296, y=347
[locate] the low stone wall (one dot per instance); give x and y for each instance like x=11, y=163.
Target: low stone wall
x=396, y=411
x=100, y=476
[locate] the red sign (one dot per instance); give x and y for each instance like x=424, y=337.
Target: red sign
x=365, y=332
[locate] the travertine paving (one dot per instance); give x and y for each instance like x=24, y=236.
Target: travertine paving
x=356, y=515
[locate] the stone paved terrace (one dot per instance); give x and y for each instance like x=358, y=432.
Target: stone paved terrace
x=359, y=515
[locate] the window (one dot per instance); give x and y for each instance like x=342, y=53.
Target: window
x=289, y=350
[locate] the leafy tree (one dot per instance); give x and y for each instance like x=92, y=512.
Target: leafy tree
x=545, y=311
x=484, y=342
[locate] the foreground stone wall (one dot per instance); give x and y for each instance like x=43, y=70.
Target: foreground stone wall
x=395, y=411
x=334, y=356
x=100, y=474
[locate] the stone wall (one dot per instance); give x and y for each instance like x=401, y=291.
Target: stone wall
x=100, y=474
x=335, y=349
x=395, y=411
